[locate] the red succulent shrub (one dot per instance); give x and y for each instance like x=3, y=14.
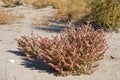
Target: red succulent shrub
x=76, y=51
x=29, y=45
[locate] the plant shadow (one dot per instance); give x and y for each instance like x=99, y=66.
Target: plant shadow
x=37, y=64
x=34, y=64
x=56, y=27
x=18, y=53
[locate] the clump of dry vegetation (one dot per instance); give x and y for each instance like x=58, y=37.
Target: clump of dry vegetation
x=38, y=21
x=6, y=18
x=12, y=3
x=43, y=3
x=27, y=2
x=76, y=51
x=68, y=10
x=9, y=18
x=72, y=10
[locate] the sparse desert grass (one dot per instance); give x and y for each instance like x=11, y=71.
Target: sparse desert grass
x=43, y=3
x=9, y=18
x=6, y=18
x=37, y=21
x=68, y=10
x=28, y=2
x=12, y=3
x=72, y=10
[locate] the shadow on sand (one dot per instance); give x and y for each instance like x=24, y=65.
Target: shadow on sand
x=34, y=64
x=18, y=53
x=37, y=64
x=56, y=27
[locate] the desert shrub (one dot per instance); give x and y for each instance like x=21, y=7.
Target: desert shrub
x=38, y=22
x=28, y=2
x=43, y=3
x=7, y=18
x=12, y=3
x=76, y=51
x=106, y=13
x=72, y=10
x=29, y=45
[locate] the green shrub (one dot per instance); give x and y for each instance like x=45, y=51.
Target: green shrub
x=106, y=13
x=76, y=51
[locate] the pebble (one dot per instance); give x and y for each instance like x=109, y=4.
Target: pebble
x=12, y=61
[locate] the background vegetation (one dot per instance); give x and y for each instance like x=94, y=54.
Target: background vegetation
x=68, y=9
x=106, y=13
x=9, y=18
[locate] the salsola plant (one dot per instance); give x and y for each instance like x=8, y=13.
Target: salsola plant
x=29, y=45
x=76, y=51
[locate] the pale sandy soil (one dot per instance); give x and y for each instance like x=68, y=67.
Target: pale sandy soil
x=24, y=69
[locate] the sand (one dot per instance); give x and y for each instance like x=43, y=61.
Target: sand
x=14, y=65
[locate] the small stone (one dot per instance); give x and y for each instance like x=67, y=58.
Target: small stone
x=12, y=61
x=112, y=57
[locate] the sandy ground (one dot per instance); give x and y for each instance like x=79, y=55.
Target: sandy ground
x=14, y=65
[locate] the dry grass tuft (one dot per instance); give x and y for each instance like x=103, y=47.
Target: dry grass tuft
x=12, y=3
x=6, y=18
x=68, y=10
x=72, y=10
x=43, y=3
x=28, y=2
x=9, y=18
x=38, y=21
